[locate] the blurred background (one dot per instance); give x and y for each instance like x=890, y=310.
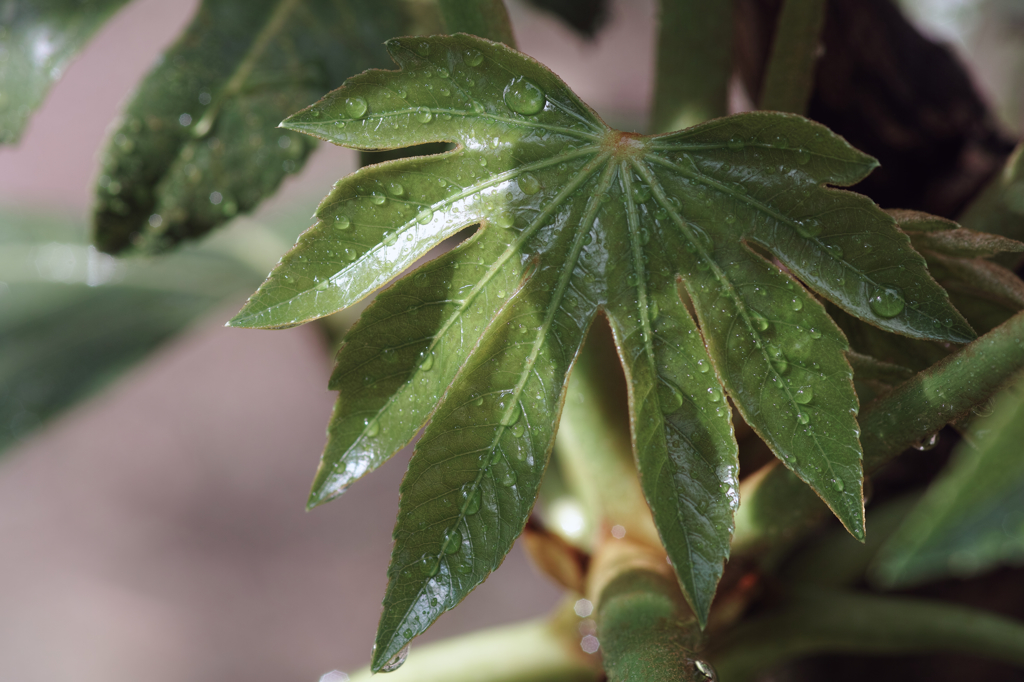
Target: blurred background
x=157, y=530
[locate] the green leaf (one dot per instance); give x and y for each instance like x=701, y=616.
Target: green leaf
x=198, y=142
x=972, y=517
x=579, y=218
x=38, y=39
x=73, y=319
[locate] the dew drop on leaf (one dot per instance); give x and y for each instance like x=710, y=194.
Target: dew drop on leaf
x=518, y=429
x=804, y=395
x=803, y=157
x=342, y=222
x=472, y=57
x=504, y=220
x=927, y=443
x=371, y=427
x=471, y=498
x=808, y=228
x=886, y=302
x=523, y=96
x=396, y=189
x=838, y=485
x=669, y=397
x=396, y=661
x=759, y=321
x=355, y=107
x=803, y=418
x=778, y=359
x=641, y=194
x=508, y=478
x=423, y=115
x=378, y=199
x=478, y=108
x=528, y=184
x=734, y=143
x=452, y=541
x=424, y=216
x=796, y=304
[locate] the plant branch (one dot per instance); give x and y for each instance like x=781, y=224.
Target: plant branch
x=790, y=75
x=484, y=18
x=816, y=621
x=776, y=506
x=694, y=63
x=536, y=651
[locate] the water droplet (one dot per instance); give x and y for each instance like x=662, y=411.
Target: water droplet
x=378, y=199
x=523, y=96
x=423, y=115
x=705, y=669
x=422, y=49
x=734, y=143
x=838, y=485
x=504, y=220
x=984, y=409
x=703, y=367
x=371, y=427
x=478, y=108
x=396, y=661
x=479, y=401
x=796, y=304
x=777, y=359
x=641, y=194
x=389, y=238
x=760, y=323
x=355, y=107
x=808, y=228
x=401, y=93
x=322, y=285
x=508, y=478
x=714, y=394
x=442, y=72
x=781, y=142
x=886, y=301
x=730, y=218
x=528, y=184
x=472, y=57
x=518, y=429
x=815, y=334
x=430, y=564
x=654, y=312
x=471, y=498
x=803, y=418
x=670, y=397
x=341, y=222
x=424, y=216
x=803, y=395
x=395, y=189
x=927, y=443
x=452, y=541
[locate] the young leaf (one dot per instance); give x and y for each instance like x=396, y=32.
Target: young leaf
x=197, y=145
x=40, y=38
x=579, y=218
x=971, y=518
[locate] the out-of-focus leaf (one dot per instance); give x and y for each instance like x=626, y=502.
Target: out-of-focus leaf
x=72, y=318
x=999, y=208
x=38, y=39
x=972, y=517
x=580, y=218
x=199, y=142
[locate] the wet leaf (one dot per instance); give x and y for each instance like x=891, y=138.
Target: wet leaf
x=578, y=218
x=198, y=143
x=972, y=517
x=38, y=39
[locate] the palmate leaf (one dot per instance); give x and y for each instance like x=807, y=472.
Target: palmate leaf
x=577, y=219
x=38, y=39
x=197, y=144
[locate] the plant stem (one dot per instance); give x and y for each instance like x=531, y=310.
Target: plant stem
x=593, y=442
x=483, y=18
x=776, y=506
x=694, y=63
x=536, y=651
x=790, y=76
x=829, y=621
x=646, y=630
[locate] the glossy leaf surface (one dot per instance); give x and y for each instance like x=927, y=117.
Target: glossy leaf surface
x=38, y=39
x=579, y=218
x=199, y=142
x=972, y=517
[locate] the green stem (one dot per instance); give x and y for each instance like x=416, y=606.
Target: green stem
x=484, y=18
x=647, y=632
x=694, y=63
x=537, y=651
x=790, y=76
x=777, y=507
x=816, y=621
x=593, y=442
